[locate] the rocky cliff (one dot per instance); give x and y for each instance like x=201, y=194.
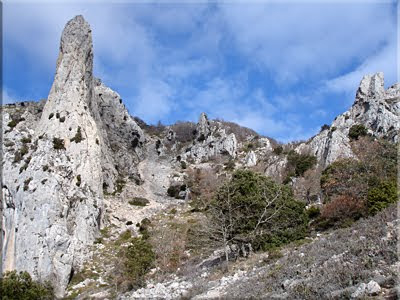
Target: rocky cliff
x=57, y=161
x=73, y=161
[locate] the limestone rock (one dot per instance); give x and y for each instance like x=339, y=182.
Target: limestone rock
x=211, y=142
x=56, y=197
x=250, y=159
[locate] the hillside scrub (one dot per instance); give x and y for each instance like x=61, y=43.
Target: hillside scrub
x=359, y=188
x=21, y=286
x=333, y=264
x=299, y=163
x=253, y=209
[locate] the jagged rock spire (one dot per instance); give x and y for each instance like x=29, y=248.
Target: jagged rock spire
x=371, y=86
x=60, y=206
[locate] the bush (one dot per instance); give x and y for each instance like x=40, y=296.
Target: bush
x=174, y=190
x=78, y=180
x=253, y=208
x=78, y=136
x=58, y=144
x=278, y=150
x=356, y=131
x=183, y=164
x=138, y=260
x=138, y=201
x=313, y=212
x=324, y=127
x=381, y=195
x=20, y=153
x=300, y=162
x=20, y=285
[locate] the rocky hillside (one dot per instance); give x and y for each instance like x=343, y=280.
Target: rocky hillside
x=82, y=177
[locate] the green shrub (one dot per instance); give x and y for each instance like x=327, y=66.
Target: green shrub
x=78, y=136
x=300, y=162
x=138, y=201
x=173, y=190
x=313, y=212
x=278, y=150
x=381, y=195
x=119, y=186
x=324, y=127
x=183, y=165
x=12, y=123
x=20, y=286
x=138, y=260
x=356, y=131
x=20, y=153
x=58, y=144
x=26, y=140
x=26, y=183
x=78, y=180
x=253, y=208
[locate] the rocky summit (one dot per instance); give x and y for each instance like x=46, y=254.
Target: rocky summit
x=86, y=186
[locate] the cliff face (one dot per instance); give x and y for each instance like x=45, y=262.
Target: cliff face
x=60, y=158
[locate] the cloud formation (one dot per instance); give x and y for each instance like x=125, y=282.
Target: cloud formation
x=281, y=69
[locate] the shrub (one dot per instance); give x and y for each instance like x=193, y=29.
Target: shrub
x=183, y=164
x=78, y=136
x=20, y=285
x=26, y=183
x=78, y=180
x=343, y=208
x=20, y=153
x=58, y=144
x=230, y=165
x=138, y=260
x=381, y=195
x=356, y=131
x=173, y=190
x=26, y=140
x=324, y=127
x=138, y=201
x=278, y=150
x=300, y=162
x=253, y=208
x=313, y=212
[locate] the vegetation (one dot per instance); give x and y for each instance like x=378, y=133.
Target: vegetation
x=298, y=164
x=252, y=208
x=78, y=136
x=174, y=190
x=19, y=154
x=139, y=201
x=324, y=127
x=357, y=131
x=78, y=180
x=58, y=144
x=20, y=286
x=359, y=188
x=278, y=150
x=138, y=259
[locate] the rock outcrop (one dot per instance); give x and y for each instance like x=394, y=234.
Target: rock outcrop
x=374, y=107
x=59, y=156
x=211, y=141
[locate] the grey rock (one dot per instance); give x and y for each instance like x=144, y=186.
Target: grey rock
x=250, y=159
x=373, y=288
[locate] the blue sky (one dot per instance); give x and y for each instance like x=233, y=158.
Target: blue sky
x=282, y=69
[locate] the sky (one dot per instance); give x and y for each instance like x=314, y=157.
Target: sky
x=280, y=68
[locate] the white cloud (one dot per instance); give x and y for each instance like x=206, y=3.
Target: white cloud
x=384, y=60
x=303, y=41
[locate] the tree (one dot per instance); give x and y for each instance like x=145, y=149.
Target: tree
x=20, y=286
x=253, y=209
